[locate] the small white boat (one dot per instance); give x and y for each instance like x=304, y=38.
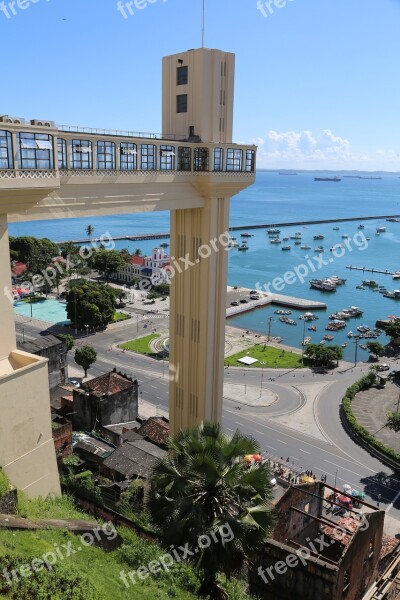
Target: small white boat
x=380, y=229
x=305, y=247
x=286, y=248
x=350, y=334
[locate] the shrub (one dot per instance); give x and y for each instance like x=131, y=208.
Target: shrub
x=4, y=483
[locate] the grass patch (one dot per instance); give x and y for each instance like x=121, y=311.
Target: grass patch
x=49, y=508
x=4, y=483
x=141, y=345
x=272, y=357
x=119, y=316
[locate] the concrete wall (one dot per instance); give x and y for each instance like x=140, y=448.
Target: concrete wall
x=27, y=452
x=293, y=525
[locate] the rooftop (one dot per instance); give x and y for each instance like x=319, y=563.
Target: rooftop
x=134, y=459
x=41, y=343
x=156, y=429
x=108, y=384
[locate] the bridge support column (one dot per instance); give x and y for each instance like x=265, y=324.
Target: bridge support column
x=198, y=306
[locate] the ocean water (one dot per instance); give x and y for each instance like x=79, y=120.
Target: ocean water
x=276, y=198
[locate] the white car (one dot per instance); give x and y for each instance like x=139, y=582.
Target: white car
x=383, y=367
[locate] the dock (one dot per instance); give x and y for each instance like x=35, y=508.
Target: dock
x=367, y=270
x=278, y=299
x=166, y=235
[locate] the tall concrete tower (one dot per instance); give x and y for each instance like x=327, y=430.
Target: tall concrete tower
x=198, y=107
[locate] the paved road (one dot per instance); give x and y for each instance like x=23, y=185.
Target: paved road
x=341, y=460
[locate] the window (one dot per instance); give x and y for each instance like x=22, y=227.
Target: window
x=6, y=157
x=181, y=103
x=35, y=151
x=200, y=159
x=149, y=161
x=128, y=160
x=250, y=161
x=184, y=158
x=233, y=159
x=218, y=159
x=167, y=158
x=181, y=76
x=62, y=153
x=81, y=154
x=105, y=155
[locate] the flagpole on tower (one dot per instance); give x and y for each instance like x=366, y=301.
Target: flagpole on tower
x=202, y=31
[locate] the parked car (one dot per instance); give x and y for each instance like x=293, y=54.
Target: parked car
x=254, y=297
x=243, y=301
x=383, y=367
x=235, y=303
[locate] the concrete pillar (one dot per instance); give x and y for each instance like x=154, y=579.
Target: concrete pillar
x=198, y=306
x=7, y=336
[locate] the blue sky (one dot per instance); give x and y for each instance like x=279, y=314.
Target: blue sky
x=317, y=82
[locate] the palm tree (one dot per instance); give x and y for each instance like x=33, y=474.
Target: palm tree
x=138, y=252
x=90, y=231
x=202, y=485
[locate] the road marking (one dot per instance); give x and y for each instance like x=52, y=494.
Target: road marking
x=229, y=429
x=305, y=451
x=260, y=432
x=237, y=423
x=272, y=448
x=281, y=441
x=343, y=468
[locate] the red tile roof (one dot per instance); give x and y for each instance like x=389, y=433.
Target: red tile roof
x=137, y=260
x=155, y=429
x=337, y=534
x=110, y=383
x=19, y=268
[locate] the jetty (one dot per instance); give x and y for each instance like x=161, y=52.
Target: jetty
x=279, y=299
x=166, y=235
x=369, y=270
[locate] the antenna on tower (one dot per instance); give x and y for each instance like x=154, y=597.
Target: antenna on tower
x=203, y=20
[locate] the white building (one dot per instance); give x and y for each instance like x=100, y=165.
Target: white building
x=154, y=268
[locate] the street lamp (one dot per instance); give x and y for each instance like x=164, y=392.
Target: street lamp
x=262, y=374
x=356, y=351
x=87, y=330
x=303, y=344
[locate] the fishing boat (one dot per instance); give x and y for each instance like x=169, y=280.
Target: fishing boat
x=319, y=249
x=396, y=275
x=246, y=234
x=283, y=311
x=380, y=229
x=350, y=334
x=371, y=283
x=328, y=337
x=344, y=345
x=272, y=230
x=305, y=247
x=286, y=248
x=243, y=247
x=361, y=226
x=319, y=236
x=164, y=245
x=312, y=328
x=327, y=179
x=323, y=285
x=345, y=236
x=336, y=228
x=285, y=239
x=297, y=243
x=276, y=241
x=306, y=341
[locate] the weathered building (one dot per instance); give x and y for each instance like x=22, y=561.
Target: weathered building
x=311, y=555
x=62, y=435
x=55, y=350
x=106, y=400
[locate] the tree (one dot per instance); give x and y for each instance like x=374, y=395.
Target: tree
x=393, y=329
x=138, y=252
x=204, y=484
x=69, y=340
x=35, y=252
x=393, y=421
x=375, y=348
x=89, y=303
x=85, y=356
x=90, y=231
x=107, y=261
x=321, y=356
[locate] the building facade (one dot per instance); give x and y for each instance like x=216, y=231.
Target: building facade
x=154, y=268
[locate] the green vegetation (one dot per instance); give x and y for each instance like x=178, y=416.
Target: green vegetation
x=119, y=316
x=49, y=508
x=69, y=340
x=33, y=299
x=107, y=261
x=272, y=357
x=36, y=253
x=4, y=483
x=141, y=345
x=375, y=348
x=393, y=421
x=363, y=384
x=203, y=488
x=90, y=304
x=393, y=329
x=85, y=356
x=323, y=356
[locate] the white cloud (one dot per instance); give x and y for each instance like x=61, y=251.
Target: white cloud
x=322, y=150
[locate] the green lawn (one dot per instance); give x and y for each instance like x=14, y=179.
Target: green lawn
x=141, y=345
x=119, y=316
x=272, y=357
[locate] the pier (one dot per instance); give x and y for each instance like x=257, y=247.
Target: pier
x=367, y=270
x=159, y=236
x=278, y=299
